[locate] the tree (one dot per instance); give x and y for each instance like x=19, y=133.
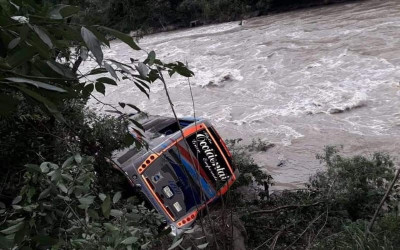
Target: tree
x=43, y=96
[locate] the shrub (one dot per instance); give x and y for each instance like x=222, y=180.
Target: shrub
x=355, y=184
x=61, y=207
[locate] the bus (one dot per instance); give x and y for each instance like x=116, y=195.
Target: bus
x=179, y=174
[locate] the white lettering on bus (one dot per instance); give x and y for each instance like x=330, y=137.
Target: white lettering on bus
x=211, y=156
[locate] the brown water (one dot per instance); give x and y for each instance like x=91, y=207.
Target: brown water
x=284, y=78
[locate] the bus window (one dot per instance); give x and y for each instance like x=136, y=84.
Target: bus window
x=172, y=128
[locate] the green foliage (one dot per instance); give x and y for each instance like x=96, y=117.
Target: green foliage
x=352, y=236
x=61, y=207
x=357, y=183
x=44, y=119
x=39, y=65
x=331, y=212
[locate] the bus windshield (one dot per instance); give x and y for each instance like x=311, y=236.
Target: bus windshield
x=204, y=145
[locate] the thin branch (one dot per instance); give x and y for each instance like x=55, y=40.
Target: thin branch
x=305, y=230
x=320, y=230
x=371, y=224
x=284, y=207
x=265, y=242
x=275, y=240
x=77, y=217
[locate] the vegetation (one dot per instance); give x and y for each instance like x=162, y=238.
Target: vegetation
x=67, y=202
x=58, y=191
x=156, y=15
x=63, y=207
x=332, y=212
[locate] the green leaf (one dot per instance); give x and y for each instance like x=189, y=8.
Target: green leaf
x=97, y=71
x=110, y=70
x=14, y=43
x=141, y=89
x=20, y=56
x=134, y=107
x=69, y=10
x=33, y=167
x=151, y=57
x=142, y=69
x=56, y=174
x=42, y=35
x=44, y=193
x=102, y=196
x=116, y=197
x=106, y=206
x=123, y=37
x=62, y=187
x=93, y=44
x=100, y=88
x=130, y=240
x=61, y=11
x=60, y=69
x=106, y=80
x=110, y=227
x=66, y=176
x=99, y=36
x=17, y=207
x=143, y=83
x=68, y=162
x=202, y=246
x=183, y=71
x=116, y=213
x=44, y=168
x=17, y=200
x=13, y=228
x=35, y=83
x=88, y=200
x=88, y=89
x=78, y=158
x=176, y=244
x=137, y=124
x=129, y=139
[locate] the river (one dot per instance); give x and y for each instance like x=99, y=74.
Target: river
x=301, y=80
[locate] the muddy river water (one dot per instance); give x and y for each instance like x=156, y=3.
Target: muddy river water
x=301, y=80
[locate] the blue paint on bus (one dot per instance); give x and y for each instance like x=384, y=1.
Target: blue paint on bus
x=208, y=190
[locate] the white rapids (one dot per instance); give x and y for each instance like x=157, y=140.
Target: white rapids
x=303, y=79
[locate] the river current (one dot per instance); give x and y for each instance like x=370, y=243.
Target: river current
x=301, y=80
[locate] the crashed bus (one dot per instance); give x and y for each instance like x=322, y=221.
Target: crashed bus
x=178, y=174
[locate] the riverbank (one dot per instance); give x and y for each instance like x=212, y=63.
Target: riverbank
x=204, y=16
x=148, y=17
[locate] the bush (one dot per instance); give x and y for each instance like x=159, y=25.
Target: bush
x=386, y=235
x=331, y=212
x=61, y=207
x=356, y=184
